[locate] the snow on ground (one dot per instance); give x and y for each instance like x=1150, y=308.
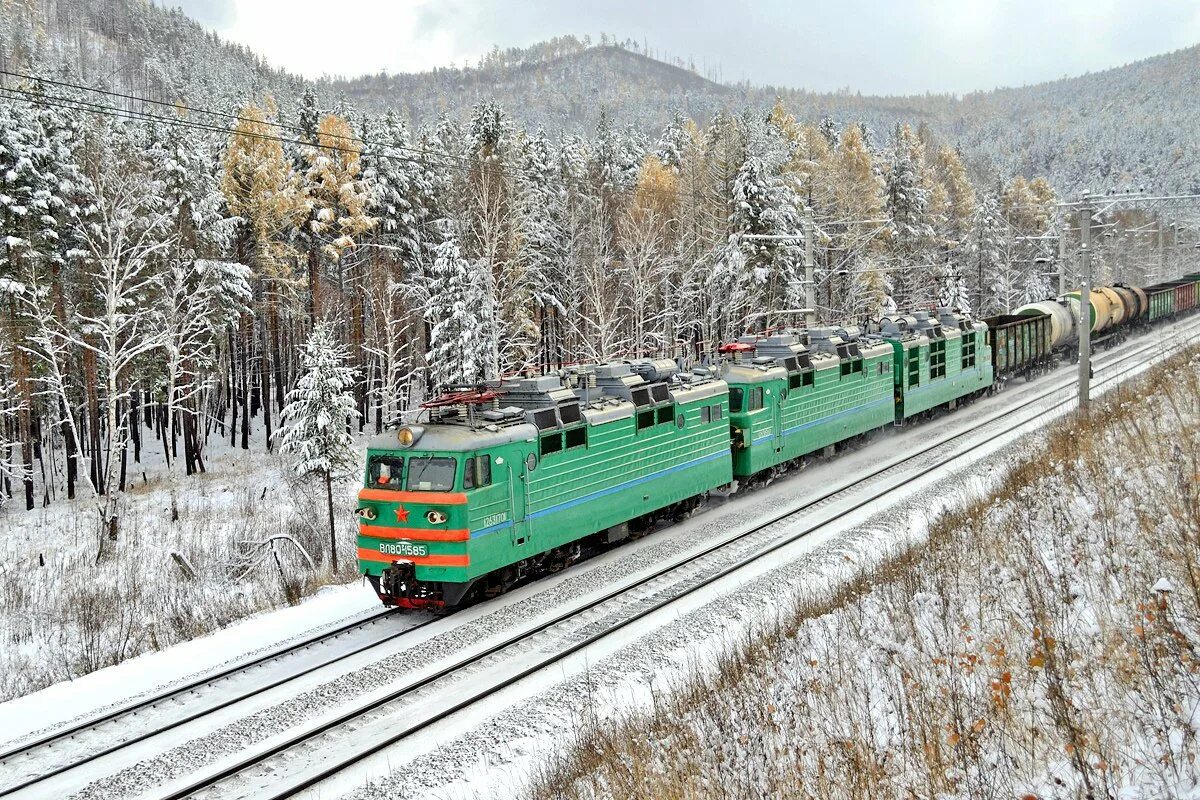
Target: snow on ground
x=117, y=685
x=62, y=615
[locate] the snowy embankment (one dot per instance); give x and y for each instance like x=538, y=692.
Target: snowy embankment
x=63, y=615
x=1041, y=642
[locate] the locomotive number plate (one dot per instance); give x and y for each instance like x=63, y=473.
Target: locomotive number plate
x=403, y=549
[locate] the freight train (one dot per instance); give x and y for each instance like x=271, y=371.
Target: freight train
x=506, y=482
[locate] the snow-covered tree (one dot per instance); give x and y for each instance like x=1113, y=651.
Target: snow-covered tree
x=335, y=199
x=539, y=206
x=673, y=141
x=400, y=193
x=201, y=300
x=908, y=194
x=987, y=262
x=317, y=415
x=462, y=341
x=127, y=233
x=829, y=131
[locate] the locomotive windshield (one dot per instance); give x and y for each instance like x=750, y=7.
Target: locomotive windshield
x=385, y=472
x=431, y=474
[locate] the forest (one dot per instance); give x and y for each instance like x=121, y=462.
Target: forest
x=166, y=259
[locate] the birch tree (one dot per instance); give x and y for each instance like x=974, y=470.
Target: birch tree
x=127, y=233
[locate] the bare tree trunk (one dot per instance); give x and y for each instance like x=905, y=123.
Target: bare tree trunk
x=265, y=368
x=246, y=342
x=332, y=527
x=25, y=422
x=72, y=448
x=233, y=402
x=135, y=430
x=314, y=307
x=273, y=321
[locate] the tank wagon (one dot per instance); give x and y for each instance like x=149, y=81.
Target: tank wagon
x=515, y=479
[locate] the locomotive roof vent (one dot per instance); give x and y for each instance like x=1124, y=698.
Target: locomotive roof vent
x=952, y=319
x=897, y=327
x=654, y=369
x=786, y=349
x=613, y=369
x=543, y=391
x=616, y=379
x=825, y=340
x=509, y=415
x=929, y=326
x=698, y=376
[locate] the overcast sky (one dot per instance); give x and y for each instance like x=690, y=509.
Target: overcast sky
x=873, y=46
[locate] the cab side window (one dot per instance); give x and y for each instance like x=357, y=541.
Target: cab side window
x=385, y=471
x=478, y=472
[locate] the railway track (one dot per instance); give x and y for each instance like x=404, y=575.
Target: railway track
x=294, y=762
x=178, y=706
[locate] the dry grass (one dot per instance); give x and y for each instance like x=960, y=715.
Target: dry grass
x=62, y=615
x=1021, y=650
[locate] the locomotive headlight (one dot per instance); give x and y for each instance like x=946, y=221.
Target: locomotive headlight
x=409, y=434
x=435, y=517
x=366, y=513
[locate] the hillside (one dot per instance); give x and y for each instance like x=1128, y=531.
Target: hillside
x=1137, y=124
x=566, y=90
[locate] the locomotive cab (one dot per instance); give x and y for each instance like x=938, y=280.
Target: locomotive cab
x=427, y=492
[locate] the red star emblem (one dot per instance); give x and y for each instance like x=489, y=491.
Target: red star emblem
x=401, y=514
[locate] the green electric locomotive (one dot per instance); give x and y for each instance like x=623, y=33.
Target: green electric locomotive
x=486, y=495
x=788, y=400
x=938, y=361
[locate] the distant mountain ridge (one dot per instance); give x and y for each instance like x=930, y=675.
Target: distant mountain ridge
x=564, y=91
x=1138, y=124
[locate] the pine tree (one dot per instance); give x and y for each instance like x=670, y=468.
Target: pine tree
x=672, y=142
x=400, y=192
x=462, y=341
x=908, y=194
x=539, y=208
x=987, y=260
x=316, y=418
x=829, y=131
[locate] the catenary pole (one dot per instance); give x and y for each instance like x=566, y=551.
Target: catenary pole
x=1085, y=302
x=1062, y=259
x=810, y=288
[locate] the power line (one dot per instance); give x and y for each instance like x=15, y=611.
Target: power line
x=59, y=101
x=193, y=109
x=75, y=104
